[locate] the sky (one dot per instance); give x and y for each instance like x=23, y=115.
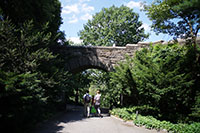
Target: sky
x=76, y=13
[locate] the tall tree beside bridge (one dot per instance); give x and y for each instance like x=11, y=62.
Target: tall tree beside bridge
x=32, y=79
x=179, y=18
x=162, y=80
x=114, y=25
x=40, y=12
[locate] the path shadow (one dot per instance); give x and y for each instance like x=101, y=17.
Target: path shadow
x=52, y=125
x=71, y=114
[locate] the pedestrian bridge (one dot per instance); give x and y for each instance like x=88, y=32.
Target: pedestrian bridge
x=79, y=58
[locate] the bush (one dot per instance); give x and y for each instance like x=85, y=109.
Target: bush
x=161, y=81
x=151, y=123
x=143, y=110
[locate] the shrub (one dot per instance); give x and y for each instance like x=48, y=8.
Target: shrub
x=152, y=123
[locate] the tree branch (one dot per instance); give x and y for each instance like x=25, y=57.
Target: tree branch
x=198, y=27
x=190, y=25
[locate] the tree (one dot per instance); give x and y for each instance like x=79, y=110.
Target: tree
x=23, y=49
x=123, y=85
x=20, y=83
x=162, y=77
x=178, y=18
x=40, y=12
x=32, y=78
x=29, y=76
x=98, y=80
x=114, y=25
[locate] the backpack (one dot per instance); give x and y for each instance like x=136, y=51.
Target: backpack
x=87, y=98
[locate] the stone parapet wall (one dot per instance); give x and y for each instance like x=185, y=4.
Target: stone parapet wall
x=79, y=58
x=83, y=57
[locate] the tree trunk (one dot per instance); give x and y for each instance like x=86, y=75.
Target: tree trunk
x=76, y=98
x=121, y=100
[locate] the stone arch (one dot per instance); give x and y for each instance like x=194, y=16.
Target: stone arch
x=79, y=58
x=82, y=63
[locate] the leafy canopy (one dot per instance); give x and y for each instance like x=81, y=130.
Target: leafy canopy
x=179, y=18
x=40, y=12
x=114, y=25
x=162, y=77
x=29, y=76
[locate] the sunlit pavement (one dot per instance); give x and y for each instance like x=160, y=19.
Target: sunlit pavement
x=74, y=122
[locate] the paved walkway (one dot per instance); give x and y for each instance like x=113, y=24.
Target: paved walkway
x=73, y=122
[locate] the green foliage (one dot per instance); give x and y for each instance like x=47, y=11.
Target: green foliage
x=176, y=17
x=163, y=77
x=20, y=94
x=80, y=83
x=143, y=110
x=124, y=87
x=159, y=77
x=151, y=123
x=31, y=83
x=196, y=108
x=98, y=80
x=40, y=12
x=114, y=25
x=23, y=47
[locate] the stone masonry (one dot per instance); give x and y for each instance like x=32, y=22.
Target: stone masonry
x=79, y=58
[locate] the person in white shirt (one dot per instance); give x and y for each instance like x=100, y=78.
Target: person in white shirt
x=87, y=98
x=97, y=102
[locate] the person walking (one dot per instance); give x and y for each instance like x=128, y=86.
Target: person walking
x=87, y=98
x=97, y=101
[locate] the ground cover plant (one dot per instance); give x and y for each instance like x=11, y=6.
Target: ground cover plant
x=152, y=123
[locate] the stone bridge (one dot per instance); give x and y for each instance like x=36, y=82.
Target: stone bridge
x=79, y=58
